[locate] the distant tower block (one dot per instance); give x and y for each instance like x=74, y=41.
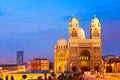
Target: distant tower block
x=20, y=57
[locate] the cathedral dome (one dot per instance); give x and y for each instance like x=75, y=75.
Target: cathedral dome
x=61, y=41
x=81, y=33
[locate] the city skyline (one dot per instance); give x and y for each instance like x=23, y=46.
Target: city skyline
x=34, y=26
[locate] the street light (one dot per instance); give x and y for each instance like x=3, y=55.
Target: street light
x=105, y=68
x=112, y=68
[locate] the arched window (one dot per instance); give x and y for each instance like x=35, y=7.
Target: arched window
x=76, y=24
x=74, y=34
x=84, y=58
x=96, y=33
x=61, y=46
x=84, y=55
x=57, y=47
x=64, y=46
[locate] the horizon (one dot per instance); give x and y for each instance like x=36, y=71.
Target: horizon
x=34, y=26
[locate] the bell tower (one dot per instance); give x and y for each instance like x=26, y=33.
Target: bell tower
x=95, y=28
x=73, y=28
x=95, y=36
x=75, y=33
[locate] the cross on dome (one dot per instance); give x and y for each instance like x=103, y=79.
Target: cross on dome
x=73, y=15
x=94, y=15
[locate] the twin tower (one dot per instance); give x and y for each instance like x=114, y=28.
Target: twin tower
x=79, y=53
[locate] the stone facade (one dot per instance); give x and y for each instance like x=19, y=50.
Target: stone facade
x=79, y=53
x=40, y=64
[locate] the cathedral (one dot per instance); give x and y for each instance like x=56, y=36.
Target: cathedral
x=79, y=53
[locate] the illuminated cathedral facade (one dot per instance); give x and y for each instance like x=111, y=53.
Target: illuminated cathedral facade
x=79, y=53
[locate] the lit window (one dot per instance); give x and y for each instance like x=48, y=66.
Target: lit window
x=74, y=34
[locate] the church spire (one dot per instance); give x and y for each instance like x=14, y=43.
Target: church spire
x=95, y=31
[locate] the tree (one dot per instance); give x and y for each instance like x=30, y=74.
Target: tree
x=6, y=77
x=70, y=78
x=39, y=78
x=81, y=76
x=45, y=75
x=53, y=74
x=49, y=78
x=1, y=79
x=24, y=77
x=75, y=76
x=62, y=77
x=12, y=78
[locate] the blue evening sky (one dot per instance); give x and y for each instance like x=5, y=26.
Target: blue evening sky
x=34, y=26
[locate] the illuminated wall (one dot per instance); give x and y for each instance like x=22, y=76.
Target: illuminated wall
x=40, y=64
x=60, y=55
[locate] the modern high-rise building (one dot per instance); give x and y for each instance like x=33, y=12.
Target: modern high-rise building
x=79, y=53
x=20, y=57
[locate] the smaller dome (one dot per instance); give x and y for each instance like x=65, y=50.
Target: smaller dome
x=61, y=41
x=61, y=44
